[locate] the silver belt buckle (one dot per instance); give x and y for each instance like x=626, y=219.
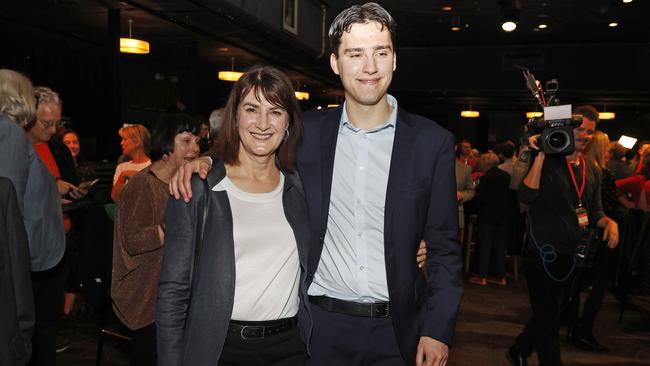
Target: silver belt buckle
x=243, y=329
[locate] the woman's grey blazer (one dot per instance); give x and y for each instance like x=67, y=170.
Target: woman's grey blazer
x=193, y=332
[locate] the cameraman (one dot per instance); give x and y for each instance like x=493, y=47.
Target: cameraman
x=563, y=194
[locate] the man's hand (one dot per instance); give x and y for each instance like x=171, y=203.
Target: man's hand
x=610, y=234
x=180, y=185
x=64, y=187
x=431, y=352
x=77, y=193
x=421, y=256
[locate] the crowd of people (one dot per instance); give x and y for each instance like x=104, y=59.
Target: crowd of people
x=329, y=238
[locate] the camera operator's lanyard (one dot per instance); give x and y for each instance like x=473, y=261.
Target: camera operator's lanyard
x=583, y=218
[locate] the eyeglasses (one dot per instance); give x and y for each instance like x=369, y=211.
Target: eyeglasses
x=50, y=124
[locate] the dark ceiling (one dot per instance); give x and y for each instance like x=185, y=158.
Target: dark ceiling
x=221, y=31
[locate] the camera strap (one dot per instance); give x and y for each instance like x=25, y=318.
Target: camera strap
x=581, y=213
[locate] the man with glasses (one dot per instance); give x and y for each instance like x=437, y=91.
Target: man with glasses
x=49, y=288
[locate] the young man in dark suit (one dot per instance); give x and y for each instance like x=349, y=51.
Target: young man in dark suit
x=377, y=180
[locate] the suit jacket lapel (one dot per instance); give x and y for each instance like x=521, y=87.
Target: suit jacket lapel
x=328, y=138
x=399, y=164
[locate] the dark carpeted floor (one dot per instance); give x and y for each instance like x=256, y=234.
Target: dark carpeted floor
x=490, y=318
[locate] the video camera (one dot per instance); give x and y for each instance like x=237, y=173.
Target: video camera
x=556, y=126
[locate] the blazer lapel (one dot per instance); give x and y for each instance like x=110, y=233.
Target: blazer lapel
x=328, y=138
x=399, y=165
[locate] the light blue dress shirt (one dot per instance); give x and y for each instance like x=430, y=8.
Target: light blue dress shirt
x=352, y=265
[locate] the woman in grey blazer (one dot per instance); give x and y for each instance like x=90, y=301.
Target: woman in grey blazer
x=232, y=286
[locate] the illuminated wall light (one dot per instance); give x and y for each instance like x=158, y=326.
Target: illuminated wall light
x=534, y=114
x=542, y=26
x=133, y=45
x=333, y=105
x=300, y=95
x=470, y=114
x=446, y=8
x=613, y=24
x=509, y=26
x=455, y=29
x=606, y=115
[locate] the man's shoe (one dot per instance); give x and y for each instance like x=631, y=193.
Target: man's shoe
x=584, y=340
x=498, y=281
x=516, y=358
x=62, y=345
x=477, y=280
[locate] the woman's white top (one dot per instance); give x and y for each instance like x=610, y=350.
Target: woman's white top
x=267, y=267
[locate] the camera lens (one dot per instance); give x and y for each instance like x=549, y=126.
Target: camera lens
x=558, y=140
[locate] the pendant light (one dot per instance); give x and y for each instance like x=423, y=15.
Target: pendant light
x=132, y=45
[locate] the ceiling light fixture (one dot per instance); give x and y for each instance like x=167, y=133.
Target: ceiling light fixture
x=455, y=24
x=627, y=1
x=301, y=95
x=133, y=45
x=542, y=26
x=470, y=114
x=446, y=8
x=509, y=26
x=606, y=115
x=231, y=75
x=510, y=10
x=613, y=24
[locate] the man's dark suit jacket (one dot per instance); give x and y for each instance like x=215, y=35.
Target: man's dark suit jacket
x=420, y=204
x=16, y=299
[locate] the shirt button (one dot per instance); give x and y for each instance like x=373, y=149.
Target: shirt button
x=358, y=201
x=361, y=268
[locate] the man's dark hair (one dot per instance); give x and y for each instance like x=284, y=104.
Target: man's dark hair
x=587, y=111
x=165, y=131
x=360, y=14
x=507, y=149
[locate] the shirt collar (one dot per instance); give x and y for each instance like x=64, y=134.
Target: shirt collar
x=390, y=122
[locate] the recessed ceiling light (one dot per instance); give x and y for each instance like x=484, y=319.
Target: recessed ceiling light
x=627, y=1
x=542, y=26
x=613, y=24
x=446, y=8
x=509, y=26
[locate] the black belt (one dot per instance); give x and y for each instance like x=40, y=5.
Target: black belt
x=370, y=310
x=260, y=330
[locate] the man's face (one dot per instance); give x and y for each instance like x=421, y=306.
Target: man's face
x=465, y=149
x=48, y=117
x=72, y=142
x=365, y=63
x=584, y=134
x=205, y=131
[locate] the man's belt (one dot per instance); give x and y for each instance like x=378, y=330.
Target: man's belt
x=260, y=330
x=370, y=310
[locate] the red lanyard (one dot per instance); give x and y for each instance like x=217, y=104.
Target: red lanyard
x=573, y=177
